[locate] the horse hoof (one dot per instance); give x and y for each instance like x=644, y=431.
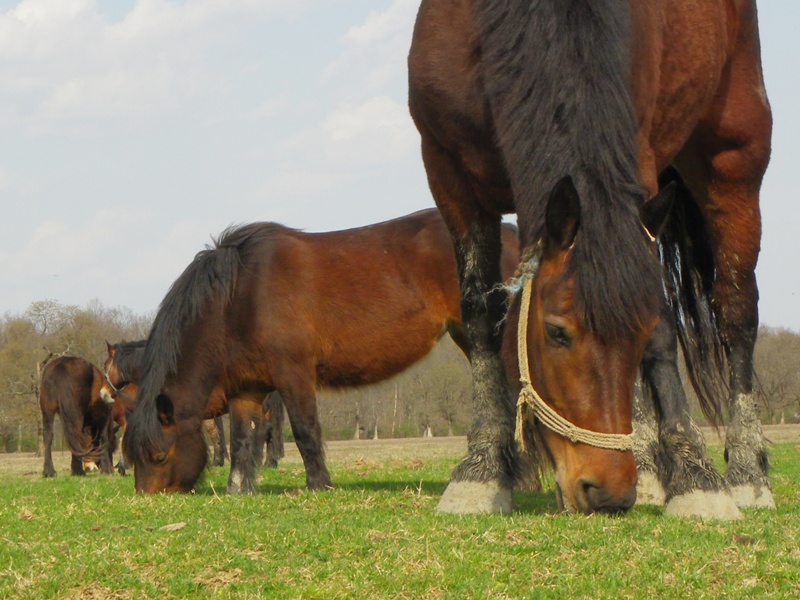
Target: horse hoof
x=704, y=505
x=470, y=497
x=649, y=490
x=752, y=496
x=234, y=486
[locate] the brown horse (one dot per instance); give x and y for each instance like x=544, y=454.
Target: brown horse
x=271, y=308
x=566, y=112
x=71, y=387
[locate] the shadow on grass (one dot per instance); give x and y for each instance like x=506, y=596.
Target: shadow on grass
x=538, y=503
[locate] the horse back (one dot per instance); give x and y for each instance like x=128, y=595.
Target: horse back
x=357, y=305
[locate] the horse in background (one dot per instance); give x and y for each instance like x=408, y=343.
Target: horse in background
x=271, y=308
x=566, y=113
x=71, y=387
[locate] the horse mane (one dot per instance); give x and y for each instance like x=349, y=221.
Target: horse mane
x=129, y=359
x=689, y=273
x=556, y=74
x=210, y=277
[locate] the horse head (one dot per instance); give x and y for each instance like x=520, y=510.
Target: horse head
x=577, y=379
x=168, y=456
x=110, y=369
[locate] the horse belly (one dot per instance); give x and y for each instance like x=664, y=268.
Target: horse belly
x=373, y=353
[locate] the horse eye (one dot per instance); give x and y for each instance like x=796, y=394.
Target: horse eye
x=160, y=458
x=558, y=335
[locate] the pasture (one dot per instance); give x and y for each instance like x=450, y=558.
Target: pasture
x=376, y=536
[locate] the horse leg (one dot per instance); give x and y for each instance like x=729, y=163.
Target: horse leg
x=724, y=167
x=122, y=463
x=76, y=466
x=301, y=405
x=107, y=445
x=215, y=431
x=220, y=448
x=47, y=435
x=261, y=437
x=244, y=413
x=275, y=438
x=692, y=485
x=645, y=447
x=483, y=480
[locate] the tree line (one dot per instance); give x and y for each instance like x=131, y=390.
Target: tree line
x=431, y=398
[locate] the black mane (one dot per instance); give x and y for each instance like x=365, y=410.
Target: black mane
x=210, y=277
x=556, y=73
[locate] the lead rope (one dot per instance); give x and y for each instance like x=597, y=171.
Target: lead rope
x=529, y=400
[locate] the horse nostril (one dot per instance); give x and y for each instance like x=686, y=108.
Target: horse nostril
x=594, y=497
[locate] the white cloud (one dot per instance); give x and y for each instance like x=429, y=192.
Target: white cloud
x=63, y=60
x=375, y=131
x=376, y=49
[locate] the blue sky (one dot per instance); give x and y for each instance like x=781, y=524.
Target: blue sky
x=131, y=131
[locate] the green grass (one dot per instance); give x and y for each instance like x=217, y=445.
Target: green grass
x=377, y=536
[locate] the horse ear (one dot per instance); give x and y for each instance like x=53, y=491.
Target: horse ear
x=563, y=213
x=654, y=212
x=166, y=411
x=109, y=347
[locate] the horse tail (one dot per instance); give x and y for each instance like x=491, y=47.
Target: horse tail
x=211, y=276
x=67, y=382
x=689, y=273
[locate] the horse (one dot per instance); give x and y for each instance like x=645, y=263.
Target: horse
x=272, y=308
x=565, y=112
x=72, y=388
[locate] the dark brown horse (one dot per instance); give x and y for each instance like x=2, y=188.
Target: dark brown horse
x=71, y=387
x=566, y=112
x=271, y=308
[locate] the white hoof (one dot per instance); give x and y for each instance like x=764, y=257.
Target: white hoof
x=469, y=497
x=751, y=496
x=649, y=490
x=705, y=505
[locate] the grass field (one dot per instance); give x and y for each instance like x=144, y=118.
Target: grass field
x=375, y=536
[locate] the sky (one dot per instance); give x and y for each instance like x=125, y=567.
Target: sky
x=133, y=131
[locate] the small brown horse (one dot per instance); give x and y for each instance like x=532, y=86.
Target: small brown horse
x=271, y=308
x=71, y=387
x=566, y=112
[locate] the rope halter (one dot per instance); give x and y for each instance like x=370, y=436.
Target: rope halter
x=531, y=403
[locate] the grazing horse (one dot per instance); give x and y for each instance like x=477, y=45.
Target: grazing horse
x=271, y=308
x=71, y=387
x=566, y=112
